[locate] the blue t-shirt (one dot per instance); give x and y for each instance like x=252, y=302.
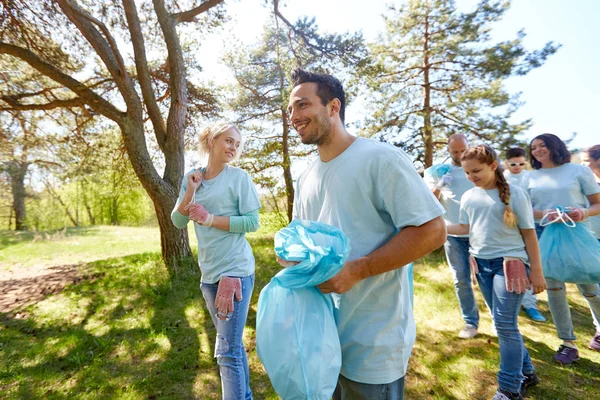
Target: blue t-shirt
x=371, y=192
x=489, y=237
x=566, y=185
x=222, y=253
x=519, y=179
x=450, y=196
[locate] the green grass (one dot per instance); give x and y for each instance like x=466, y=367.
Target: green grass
x=136, y=333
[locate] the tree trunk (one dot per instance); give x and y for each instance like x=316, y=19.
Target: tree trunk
x=17, y=173
x=427, y=131
x=287, y=164
x=174, y=243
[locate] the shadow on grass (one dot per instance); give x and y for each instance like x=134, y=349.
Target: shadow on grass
x=127, y=334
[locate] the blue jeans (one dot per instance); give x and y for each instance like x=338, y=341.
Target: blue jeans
x=559, y=306
x=457, y=254
x=514, y=358
x=350, y=390
x=229, y=347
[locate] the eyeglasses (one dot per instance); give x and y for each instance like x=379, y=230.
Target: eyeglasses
x=515, y=164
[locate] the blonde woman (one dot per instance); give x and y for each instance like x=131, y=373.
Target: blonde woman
x=223, y=203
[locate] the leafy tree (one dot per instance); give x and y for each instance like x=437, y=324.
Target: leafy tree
x=261, y=93
x=435, y=73
x=66, y=40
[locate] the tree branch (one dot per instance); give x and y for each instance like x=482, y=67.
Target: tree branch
x=96, y=102
x=141, y=64
x=188, y=16
x=15, y=105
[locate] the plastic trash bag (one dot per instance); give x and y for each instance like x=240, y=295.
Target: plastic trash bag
x=438, y=170
x=296, y=335
x=569, y=251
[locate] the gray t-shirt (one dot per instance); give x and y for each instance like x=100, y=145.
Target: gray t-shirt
x=371, y=192
x=489, y=237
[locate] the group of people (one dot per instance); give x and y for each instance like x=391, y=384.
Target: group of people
x=372, y=192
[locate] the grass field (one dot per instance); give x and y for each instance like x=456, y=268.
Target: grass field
x=133, y=332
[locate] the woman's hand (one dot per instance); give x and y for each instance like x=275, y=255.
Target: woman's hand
x=577, y=214
x=538, y=283
x=194, y=179
x=285, y=263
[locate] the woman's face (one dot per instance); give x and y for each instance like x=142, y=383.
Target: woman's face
x=225, y=146
x=541, y=153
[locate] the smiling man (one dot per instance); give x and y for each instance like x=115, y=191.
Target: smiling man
x=373, y=193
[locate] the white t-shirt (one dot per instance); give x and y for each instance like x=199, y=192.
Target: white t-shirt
x=222, y=253
x=566, y=185
x=371, y=192
x=489, y=237
x=450, y=196
x=519, y=179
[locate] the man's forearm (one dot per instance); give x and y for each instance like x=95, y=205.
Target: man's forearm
x=410, y=244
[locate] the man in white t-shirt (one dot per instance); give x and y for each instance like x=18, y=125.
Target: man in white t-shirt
x=372, y=192
x=449, y=188
x=516, y=174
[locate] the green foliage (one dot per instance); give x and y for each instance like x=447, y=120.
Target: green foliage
x=435, y=73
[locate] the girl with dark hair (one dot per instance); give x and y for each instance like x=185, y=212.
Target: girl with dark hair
x=555, y=182
x=223, y=203
x=504, y=250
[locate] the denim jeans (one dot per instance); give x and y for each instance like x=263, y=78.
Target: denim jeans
x=350, y=390
x=514, y=358
x=559, y=306
x=229, y=347
x=457, y=254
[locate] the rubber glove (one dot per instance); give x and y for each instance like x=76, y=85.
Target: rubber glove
x=199, y=214
x=474, y=270
x=577, y=214
x=444, y=181
x=515, y=275
x=228, y=288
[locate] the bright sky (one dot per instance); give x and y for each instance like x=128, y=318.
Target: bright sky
x=561, y=96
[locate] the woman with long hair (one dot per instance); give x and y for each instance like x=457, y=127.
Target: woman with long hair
x=223, y=203
x=556, y=182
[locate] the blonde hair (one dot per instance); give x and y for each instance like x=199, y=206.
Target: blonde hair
x=210, y=133
x=486, y=155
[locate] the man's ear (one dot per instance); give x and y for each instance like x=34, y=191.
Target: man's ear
x=334, y=106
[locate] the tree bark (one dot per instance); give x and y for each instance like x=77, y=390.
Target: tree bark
x=287, y=164
x=427, y=131
x=17, y=178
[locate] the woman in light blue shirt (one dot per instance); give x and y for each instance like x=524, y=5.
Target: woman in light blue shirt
x=555, y=181
x=499, y=220
x=223, y=203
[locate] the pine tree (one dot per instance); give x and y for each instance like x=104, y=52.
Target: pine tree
x=435, y=73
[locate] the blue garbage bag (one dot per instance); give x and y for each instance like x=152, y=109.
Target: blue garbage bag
x=438, y=170
x=570, y=253
x=296, y=335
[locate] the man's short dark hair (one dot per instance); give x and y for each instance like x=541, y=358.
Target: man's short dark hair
x=594, y=152
x=559, y=154
x=328, y=87
x=515, y=152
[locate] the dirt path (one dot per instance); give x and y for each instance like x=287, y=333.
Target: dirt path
x=23, y=286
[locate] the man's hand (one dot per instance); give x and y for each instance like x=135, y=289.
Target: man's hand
x=344, y=280
x=444, y=181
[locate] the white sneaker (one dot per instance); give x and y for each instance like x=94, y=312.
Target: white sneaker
x=468, y=332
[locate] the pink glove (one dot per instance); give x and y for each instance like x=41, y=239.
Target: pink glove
x=577, y=214
x=550, y=215
x=199, y=214
x=515, y=275
x=228, y=287
x=474, y=270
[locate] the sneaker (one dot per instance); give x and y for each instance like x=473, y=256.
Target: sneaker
x=529, y=381
x=504, y=395
x=468, y=332
x=535, y=315
x=566, y=355
x=595, y=343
